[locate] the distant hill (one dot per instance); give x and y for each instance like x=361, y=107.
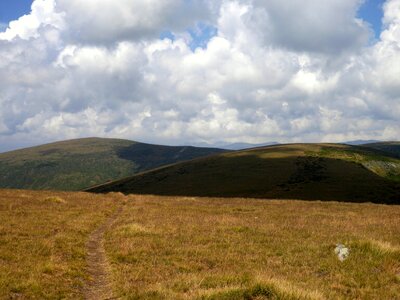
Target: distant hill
x=242, y=146
x=235, y=146
x=78, y=164
x=360, y=142
x=392, y=148
x=298, y=171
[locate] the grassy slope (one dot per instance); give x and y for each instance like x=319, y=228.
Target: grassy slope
x=197, y=248
x=302, y=171
x=77, y=164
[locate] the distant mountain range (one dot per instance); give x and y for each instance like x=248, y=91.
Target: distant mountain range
x=78, y=164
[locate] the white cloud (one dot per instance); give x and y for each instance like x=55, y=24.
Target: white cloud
x=108, y=21
x=273, y=72
x=307, y=25
x=42, y=14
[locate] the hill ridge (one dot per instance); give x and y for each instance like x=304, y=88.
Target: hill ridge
x=79, y=163
x=292, y=171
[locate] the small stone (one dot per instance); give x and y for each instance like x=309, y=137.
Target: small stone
x=342, y=252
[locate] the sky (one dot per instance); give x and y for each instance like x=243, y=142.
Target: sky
x=199, y=71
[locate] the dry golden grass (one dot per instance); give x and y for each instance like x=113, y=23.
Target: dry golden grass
x=54, y=199
x=42, y=242
x=198, y=248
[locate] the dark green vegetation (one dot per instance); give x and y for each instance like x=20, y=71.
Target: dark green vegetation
x=390, y=147
x=78, y=164
x=301, y=171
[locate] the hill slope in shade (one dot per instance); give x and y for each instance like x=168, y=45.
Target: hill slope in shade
x=243, y=146
x=389, y=147
x=302, y=171
x=78, y=164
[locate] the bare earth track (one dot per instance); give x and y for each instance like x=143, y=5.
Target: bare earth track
x=99, y=286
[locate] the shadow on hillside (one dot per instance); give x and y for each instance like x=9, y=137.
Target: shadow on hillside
x=303, y=178
x=148, y=156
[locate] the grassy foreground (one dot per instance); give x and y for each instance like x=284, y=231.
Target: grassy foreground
x=42, y=242
x=194, y=248
x=198, y=248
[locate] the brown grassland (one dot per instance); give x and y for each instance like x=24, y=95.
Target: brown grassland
x=198, y=248
x=42, y=242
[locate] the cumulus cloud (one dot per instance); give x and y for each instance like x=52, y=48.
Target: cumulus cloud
x=26, y=27
x=271, y=72
x=108, y=21
x=313, y=26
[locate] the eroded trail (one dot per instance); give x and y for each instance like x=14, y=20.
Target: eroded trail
x=99, y=286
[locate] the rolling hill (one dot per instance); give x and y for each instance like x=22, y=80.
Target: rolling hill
x=299, y=171
x=78, y=164
x=392, y=148
x=243, y=146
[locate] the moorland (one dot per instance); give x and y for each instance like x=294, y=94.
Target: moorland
x=260, y=223
x=194, y=248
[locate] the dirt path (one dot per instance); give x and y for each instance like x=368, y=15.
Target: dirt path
x=99, y=287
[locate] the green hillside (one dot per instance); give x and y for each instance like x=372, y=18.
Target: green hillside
x=299, y=171
x=78, y=164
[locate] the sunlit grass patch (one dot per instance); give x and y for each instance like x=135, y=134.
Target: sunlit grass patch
x=132, y=229
x=385, y=247
x=116, y=194
x=54, y=199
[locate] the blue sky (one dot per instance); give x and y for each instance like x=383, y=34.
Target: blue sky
x=371, y=11
x=200, y=35
x=13, y=9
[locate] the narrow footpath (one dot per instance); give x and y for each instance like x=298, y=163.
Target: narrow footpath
x=99, y=286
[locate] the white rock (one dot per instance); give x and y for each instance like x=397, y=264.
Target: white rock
x=342, y=252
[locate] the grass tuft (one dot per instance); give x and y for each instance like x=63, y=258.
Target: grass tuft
x=54, y=199
x=131, y=230
x=384, y=247
x=270, y=289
